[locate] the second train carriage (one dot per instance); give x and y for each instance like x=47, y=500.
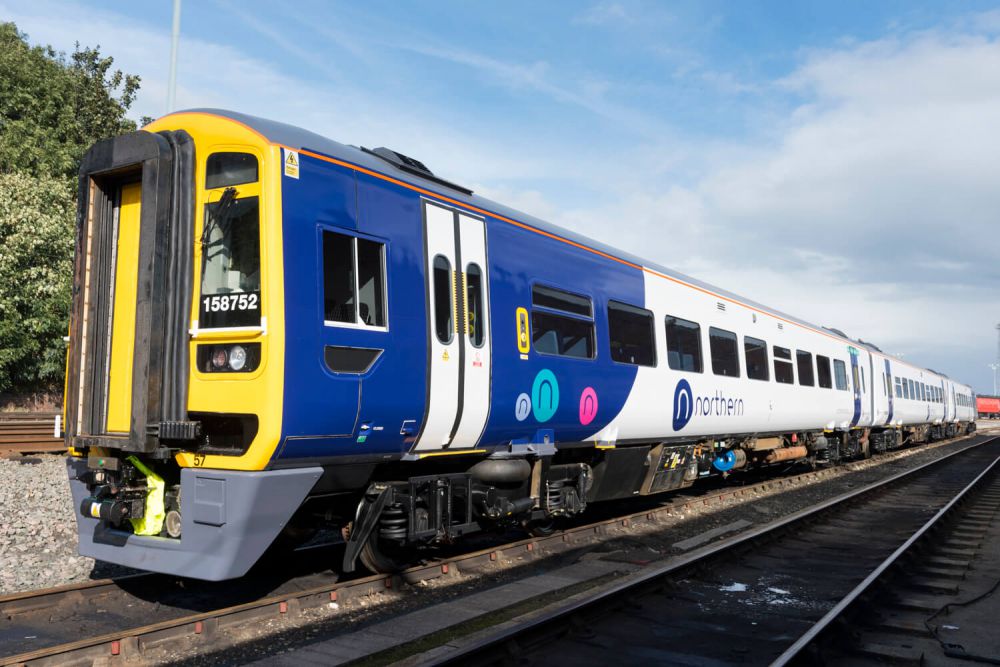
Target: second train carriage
x=272, y=331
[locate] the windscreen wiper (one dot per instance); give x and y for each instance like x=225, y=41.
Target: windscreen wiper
x=220, y=217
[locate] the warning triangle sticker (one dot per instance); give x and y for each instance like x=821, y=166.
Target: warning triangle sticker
x=291, y=164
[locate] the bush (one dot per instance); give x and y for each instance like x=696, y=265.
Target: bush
x=36, y=268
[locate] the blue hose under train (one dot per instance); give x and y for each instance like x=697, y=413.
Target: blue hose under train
x=725, y=462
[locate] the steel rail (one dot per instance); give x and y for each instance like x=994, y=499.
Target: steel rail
x=793, y=651
x=559, y=541
x=642, y=579
x=28, y=432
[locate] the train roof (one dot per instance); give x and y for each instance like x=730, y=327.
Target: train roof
x=297, y=138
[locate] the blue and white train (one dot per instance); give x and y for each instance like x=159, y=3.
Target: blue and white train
x=273, y=332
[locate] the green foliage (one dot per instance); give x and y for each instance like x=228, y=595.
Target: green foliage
x=36, y=266
x=52, y=109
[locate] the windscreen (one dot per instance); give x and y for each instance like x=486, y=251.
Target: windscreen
x=230, y=269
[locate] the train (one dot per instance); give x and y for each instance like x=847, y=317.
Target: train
x=274, y=334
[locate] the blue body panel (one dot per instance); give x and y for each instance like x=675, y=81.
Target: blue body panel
x=324, y=412
x=519, y=259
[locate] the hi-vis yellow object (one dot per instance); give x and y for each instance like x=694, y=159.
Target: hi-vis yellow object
x=152, y=520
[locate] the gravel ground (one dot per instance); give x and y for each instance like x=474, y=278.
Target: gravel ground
x=38, y=527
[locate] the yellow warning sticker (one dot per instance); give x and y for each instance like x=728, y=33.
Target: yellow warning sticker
x=523, y=331
x=445, y=357
x=291, y=163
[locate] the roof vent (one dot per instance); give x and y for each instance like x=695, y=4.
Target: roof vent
x=412, y=165
x=836, y=331
x=871, y=345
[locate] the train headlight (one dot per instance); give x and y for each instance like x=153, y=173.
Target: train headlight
x=237, y=357
x=219, y=358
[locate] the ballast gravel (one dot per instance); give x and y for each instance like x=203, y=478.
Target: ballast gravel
x=38, y=547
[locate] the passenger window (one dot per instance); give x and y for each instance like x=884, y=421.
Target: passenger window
x=804, y=361
x=353, y=281
x=906, y=389
x=474, y=303
x=723, y=348
x=444, y=322
x=899, y=389
x=863, y=388
x=567, y=332
x=556, y=299
x=683, y=345
x=823, y=372
x=840, y=374
x=630, y=330
x=755, y=351
x=913, y=389
x=783, y=372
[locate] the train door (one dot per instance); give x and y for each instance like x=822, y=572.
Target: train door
x=870, y=387
x=459, y=344
x=944, y=401
x=889, y=387
x=862, y=402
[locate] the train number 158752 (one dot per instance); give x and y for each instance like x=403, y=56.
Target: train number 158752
x=226, y=302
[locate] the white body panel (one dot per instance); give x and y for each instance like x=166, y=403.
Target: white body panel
x=478, y=361
x=762, y=406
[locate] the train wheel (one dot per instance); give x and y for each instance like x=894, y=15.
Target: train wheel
x=540, y=528
x=384, y=557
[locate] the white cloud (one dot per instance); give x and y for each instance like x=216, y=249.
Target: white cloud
x=874, y=208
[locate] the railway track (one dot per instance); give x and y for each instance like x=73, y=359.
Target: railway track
x=195, y=610
x=28, y=432
x=765, y=597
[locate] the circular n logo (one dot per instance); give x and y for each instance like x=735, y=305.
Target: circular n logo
x=683, y=405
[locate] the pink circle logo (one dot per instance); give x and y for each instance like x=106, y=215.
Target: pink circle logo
x=588, y=405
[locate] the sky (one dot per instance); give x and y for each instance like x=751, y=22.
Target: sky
x=839, y=162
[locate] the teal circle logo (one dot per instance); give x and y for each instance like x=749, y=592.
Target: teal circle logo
x=545, y=395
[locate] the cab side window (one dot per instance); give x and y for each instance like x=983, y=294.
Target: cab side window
x=353, y=281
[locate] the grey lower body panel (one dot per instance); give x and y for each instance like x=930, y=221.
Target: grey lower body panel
x=229, y=518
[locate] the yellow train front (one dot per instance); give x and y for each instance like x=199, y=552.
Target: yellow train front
x=174, y=382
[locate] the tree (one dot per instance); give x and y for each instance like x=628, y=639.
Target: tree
x=52, y=109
